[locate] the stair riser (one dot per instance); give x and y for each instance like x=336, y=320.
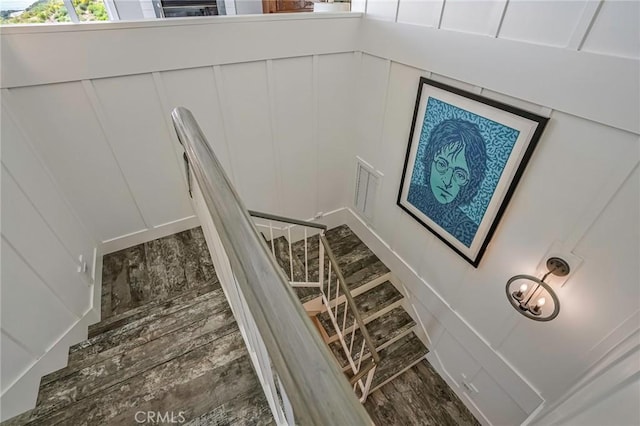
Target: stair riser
x=405, y=368
x=383, y=346
x=356, y=292
x=98, y=377
x=123, y=342
x=348, y=330
x=139, y=391
x=140, y=312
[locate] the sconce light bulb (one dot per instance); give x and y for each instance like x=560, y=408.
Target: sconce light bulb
x=541, y=302
x=523, y=288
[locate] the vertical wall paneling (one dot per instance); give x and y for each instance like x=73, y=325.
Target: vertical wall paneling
x=293, y=114
x=246, y=104
x=501, y=65
x=425, y=13
x=15, y=359
x=600, y=296
x=525, y=231
x=382, y=9
x=616, y=408
x=144, y=150
x=542, y=22
x=615, y=30
x=358, y=5
x=493, y=399
x=336, y=164
x=218, y=80
x=371, y=95
x=476, y=17
x=315, y=125
x=275, y=135
x=60, y=122
x=195, y=89
x=26, y=167
x=32, y=238
x=582, y=172
x=166, y=114
x=588, y=17
x=29, y=308
x=597, y=298
x=460, y=364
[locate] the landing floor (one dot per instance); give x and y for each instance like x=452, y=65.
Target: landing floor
x=419, y=397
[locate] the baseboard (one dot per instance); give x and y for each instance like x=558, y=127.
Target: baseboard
x=22, y=394
x=420, y=292
x=437, y=365
x=145, y=235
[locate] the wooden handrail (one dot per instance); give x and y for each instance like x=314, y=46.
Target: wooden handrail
x=318, y=390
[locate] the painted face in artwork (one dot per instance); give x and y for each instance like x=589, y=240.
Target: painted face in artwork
x=449, y=173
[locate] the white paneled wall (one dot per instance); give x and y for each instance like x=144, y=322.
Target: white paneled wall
x=609, y=27
x=87, y=141
x=62, y=125
x=616, y=30
x=470, y=16
x=581, y=187
x=287, y=102
x=139, y=138
x=46, y=302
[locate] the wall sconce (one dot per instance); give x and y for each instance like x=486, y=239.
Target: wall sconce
x=534, y=298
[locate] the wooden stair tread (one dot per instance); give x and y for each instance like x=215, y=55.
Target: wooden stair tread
x=281, y=249
x=144, y=311
x=358, y=263
x=100, y=376
x=398, y=357
x=367, y=303
x=382, y=330
x=127, y=337
x=186, y=380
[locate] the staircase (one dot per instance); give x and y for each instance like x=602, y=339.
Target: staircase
x=181, y=356
x=183, y=353
x=380, y=304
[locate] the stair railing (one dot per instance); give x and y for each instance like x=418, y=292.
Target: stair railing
x=341, y=307
x=336, y=296
x=293, y=230
x=297, y=372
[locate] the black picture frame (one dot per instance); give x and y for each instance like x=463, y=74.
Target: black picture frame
x=465, y=156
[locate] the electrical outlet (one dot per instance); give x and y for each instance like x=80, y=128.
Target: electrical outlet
x=82, y=265
x=470, y=387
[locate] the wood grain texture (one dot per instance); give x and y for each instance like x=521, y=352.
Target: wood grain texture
x=382, y=330
x=157, y=270
x=358, y=263
x=175, y=351
x=418, y=396
x=398, y=356
x=368, y=304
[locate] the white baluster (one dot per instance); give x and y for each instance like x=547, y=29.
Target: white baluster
x=273, y=247
x=306, y=260
x=290, y=253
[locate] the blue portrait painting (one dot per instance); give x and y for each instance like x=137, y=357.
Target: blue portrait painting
x=458, y=164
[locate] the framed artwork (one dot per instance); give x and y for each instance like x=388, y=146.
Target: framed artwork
x=465, y=156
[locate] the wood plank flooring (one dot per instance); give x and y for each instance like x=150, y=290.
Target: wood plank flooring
x=418, y=397
x=168, y=343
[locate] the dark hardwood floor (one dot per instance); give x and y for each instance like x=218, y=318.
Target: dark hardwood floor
x=419, y=397
x=168, y=345
x=167, y=351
